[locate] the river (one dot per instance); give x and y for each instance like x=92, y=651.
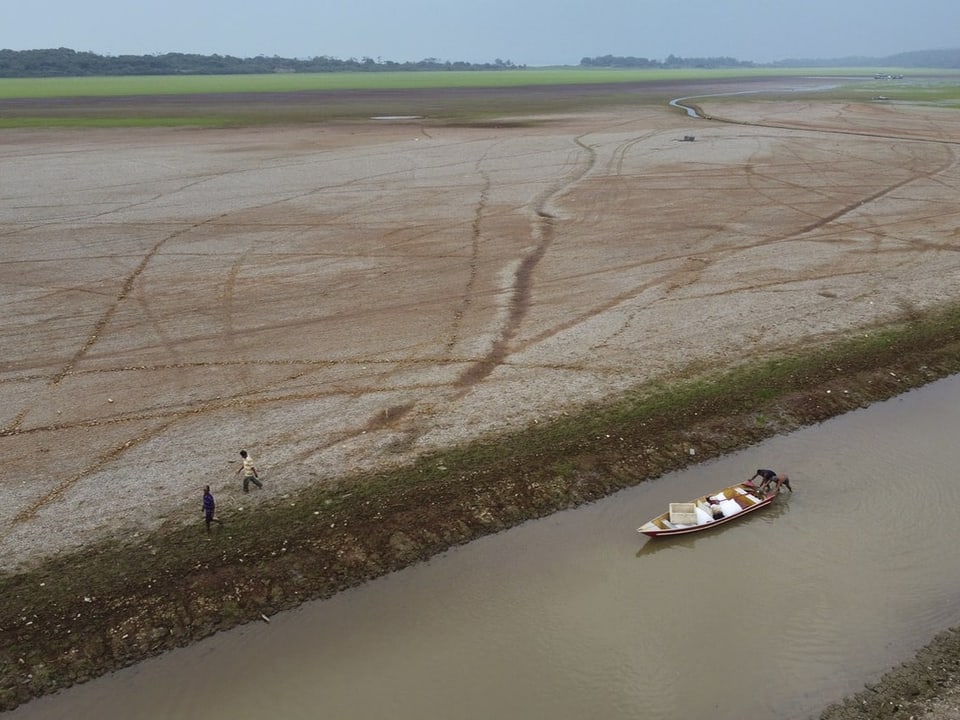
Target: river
x=577, y=615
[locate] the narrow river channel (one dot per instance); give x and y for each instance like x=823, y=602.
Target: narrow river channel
x=577, y=615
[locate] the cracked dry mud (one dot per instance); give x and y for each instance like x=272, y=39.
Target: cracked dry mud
x=338, y=297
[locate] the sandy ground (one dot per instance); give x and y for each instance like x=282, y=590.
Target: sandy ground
x=335, y=297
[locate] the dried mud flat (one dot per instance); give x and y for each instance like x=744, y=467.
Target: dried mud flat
x=341, y=297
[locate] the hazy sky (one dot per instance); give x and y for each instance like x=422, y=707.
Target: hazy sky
x=530, y=32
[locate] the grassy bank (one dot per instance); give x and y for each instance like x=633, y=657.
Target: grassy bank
x=74, y=617
x=129, y=86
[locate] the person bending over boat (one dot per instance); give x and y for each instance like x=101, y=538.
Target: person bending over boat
x=770, y=477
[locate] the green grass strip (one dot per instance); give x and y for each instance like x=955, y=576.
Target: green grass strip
x=128, y=86
x=8, y=123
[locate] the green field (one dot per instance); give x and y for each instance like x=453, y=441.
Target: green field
x=244, y=100
x=195, y=84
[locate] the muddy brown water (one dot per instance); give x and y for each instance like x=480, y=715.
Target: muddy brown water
x=577, y=615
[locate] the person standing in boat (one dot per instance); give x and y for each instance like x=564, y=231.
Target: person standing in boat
x=770, y=477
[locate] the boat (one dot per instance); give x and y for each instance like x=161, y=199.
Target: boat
x=709, y=511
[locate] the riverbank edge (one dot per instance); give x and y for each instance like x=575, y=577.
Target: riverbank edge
x=73, y=617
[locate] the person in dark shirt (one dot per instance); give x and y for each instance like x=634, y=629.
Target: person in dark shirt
x=770, y=477
x=209, y=507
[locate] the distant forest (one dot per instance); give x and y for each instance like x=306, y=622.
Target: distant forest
x=920, y=59
x=64, y=62
x=672, y=61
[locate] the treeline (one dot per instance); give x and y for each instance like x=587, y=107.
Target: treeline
x=940, y=59
x=945, y=59
x=672, y=61
x=64, y=62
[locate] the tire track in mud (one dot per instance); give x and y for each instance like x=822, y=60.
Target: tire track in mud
x=823, y=130
x=227, y=314
x=101, y=323
x=519, y=303
x=93, y=336
x=389, y=415
x=101, y=462
x=18, y=229
x=946, y=164
x=917, y=173
x=476, y=233
x=125, y=289
x=124, y=292
x=521, y=287
x=617, y=158
x=239, y=399
x=687, y=275
x=850, y=207
x=670, y=280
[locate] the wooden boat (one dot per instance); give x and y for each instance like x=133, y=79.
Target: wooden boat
x=708, y=511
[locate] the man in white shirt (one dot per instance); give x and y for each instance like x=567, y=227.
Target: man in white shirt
x=250, y=474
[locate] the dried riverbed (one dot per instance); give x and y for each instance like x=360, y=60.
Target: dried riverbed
x=370, y=295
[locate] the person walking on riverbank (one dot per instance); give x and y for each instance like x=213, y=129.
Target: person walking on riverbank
x=250, y=474
x=209, y=507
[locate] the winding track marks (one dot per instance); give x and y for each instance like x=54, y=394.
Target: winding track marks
x=518, y=291
x=683, y=275
x=99, y=325
x=98, y=328
x=521, y=288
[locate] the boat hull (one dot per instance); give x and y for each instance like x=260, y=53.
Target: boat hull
x=743, y=495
